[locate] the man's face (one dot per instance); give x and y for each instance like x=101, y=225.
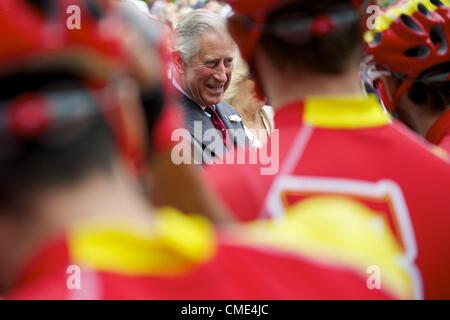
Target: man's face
x=208, y=74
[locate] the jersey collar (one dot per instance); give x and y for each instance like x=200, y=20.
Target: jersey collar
x=336, y=112
x=174, y=245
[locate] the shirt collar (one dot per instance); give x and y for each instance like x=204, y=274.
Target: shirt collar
x=335, y=112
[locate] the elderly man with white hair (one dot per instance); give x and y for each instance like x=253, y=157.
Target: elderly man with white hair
x=202, y=67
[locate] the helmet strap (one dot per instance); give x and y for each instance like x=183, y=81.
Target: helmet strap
x=439, y=128
x=385, y=95
x=403, y=89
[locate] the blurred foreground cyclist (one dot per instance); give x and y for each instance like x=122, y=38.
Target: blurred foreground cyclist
x=74, y=223
x=410, y=65
x=168, y=184
x=305, y=56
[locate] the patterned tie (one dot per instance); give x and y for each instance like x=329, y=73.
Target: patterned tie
x=217, y=122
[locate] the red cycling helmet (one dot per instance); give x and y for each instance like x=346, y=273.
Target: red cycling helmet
x=250, y=17
x=409, y=38
x=263, y=7
x=40, y=31
x=43, y=36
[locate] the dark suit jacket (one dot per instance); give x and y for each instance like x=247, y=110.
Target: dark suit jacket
x=194, y=113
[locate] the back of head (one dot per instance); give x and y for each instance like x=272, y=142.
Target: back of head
x=319, y=36
x=68, y=108
x=298, y=48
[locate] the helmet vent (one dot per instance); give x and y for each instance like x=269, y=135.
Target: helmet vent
x=422, y=9
x=417, y=52
x=378, y=37
x=410, y=23
x=437, y=3
x=438, y=38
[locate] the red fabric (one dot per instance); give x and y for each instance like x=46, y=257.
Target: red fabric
x=235, y=272
x=171, y=119
x=45, y=272
x=370, y=155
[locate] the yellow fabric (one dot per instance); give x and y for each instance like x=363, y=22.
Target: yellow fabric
x=329, y=229
x=384, y=21
x=336, y=230
x=345, y=112
x=173, y=245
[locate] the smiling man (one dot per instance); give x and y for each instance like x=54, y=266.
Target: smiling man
x=202, y=68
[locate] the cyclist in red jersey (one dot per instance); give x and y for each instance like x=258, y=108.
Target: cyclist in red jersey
x=331, y=138
x=410, y=65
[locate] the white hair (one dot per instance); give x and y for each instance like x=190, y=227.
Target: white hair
x=137, y=5
x=191, y=26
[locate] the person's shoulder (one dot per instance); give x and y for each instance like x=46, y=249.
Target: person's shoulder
x=227, y=108
x=225, y=104
x=417, y=149
x=312, y=241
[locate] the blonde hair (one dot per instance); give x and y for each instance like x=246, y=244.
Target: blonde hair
x=239, y=74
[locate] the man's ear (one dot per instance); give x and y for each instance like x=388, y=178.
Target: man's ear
x=178, y=62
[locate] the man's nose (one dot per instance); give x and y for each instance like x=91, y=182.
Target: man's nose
x=221, y=73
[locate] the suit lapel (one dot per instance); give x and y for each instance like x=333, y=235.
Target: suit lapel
x=194, y=113
x=237, y=132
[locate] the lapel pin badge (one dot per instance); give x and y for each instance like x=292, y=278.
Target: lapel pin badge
x=234, y=118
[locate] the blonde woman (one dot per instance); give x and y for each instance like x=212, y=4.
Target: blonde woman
x=256, y=117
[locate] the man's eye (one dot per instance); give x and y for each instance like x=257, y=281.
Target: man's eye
x=211, y=64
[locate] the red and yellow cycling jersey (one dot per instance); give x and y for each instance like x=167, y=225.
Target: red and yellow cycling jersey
x=350, y=146
x=183, y=257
